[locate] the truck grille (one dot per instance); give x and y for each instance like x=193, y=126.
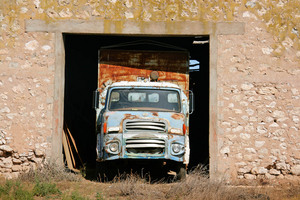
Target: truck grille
x=145, y=126
x=149, y=146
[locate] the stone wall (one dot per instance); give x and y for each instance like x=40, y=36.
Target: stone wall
x=259, y=107
x=26, y=90
x=258, y=78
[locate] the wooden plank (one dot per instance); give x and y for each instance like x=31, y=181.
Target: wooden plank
x=73, y=141
x=67, y=153
x=71, y=152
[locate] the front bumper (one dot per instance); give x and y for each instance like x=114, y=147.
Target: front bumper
x=142, y=146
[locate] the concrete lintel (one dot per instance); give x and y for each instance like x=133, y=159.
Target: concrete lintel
x=230, y=28
x=132, y=27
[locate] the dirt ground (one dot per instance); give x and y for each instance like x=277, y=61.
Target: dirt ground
x=133, y=188
x=52, y=183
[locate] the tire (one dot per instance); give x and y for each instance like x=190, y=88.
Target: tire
x=181, y=173
x=105, y=172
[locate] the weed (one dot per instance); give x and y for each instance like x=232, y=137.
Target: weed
x=198, y=186
x=44, y=188
x=49, y=172
x=13, y=190
x=99, y=196
x=5, y=189
x=74, y=196
x=22, y=194
x=129, y=184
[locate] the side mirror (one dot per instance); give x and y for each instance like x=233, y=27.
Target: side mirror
x=96, y=99
x=192, y=105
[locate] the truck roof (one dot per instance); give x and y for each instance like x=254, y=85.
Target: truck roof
x=144, y=84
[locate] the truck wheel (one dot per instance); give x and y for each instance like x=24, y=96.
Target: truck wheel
x=99, y=172
x=105, y=172
x=181, y=173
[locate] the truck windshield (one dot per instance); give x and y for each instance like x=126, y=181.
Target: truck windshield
x=144, y=99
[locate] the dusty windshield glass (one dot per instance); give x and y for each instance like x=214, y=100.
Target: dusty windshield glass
x=144, y=99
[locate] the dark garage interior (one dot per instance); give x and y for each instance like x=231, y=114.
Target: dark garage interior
x=81, y=58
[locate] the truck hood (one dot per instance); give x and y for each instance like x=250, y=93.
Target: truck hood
x=116, y=118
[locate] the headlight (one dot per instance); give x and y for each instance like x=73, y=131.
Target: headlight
x=113, y=147
x=177, y=148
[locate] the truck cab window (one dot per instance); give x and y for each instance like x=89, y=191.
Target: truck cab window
x=144, y=99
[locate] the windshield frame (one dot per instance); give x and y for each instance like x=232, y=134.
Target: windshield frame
x=178, y=91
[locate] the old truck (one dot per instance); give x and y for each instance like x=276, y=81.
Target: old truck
x=142, y=108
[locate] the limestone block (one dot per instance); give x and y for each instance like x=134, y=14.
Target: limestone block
x=240, y=176
x=249, y=157
x=295, y=170
x=23, y=159
x=245, y=136
x=26, y=169
x=295, y=91
x=65, y=13
x=237, y=129
x=250, y=93
x=250, y=176
x=241, y=164
x=259, y=170
x=280, y=176
x=250, y=150
x=269, y=176
x=244, y=103
x=250, y=111
x=267, y=50
x=275, y=152
x=37, y=160
x=7, y=176
x=39, y=153
x=247, y=86
x=274, y=125
x=259, y=143
x=274, y=172
x=63, y=2
x=282, y=166
x=52, y=13
x=244, y=170
x=16, y=168
x=5, y=110
x=249, y=128
x=16, y=161
x=261, y=129
x=296, y=119
x=238, y=111
x=6, y=163
x=225, y=150
x=32, y=45
x=278, y=114
x=267, y=90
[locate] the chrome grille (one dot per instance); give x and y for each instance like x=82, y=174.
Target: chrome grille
x=145, y=126
x=150, y=146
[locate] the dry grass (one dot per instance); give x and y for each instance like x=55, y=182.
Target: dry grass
x=196, y=186
x=129, y=185
x=49, y=172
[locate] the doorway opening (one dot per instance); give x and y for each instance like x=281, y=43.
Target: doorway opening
x=81, y=71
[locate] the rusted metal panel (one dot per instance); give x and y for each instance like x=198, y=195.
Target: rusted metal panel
x=129, y=65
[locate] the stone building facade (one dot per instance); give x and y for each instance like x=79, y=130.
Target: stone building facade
x=254, y=76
